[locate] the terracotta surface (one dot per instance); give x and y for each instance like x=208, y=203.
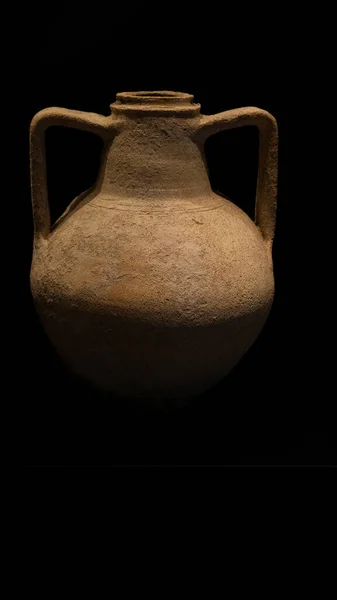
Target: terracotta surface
x=150, y=284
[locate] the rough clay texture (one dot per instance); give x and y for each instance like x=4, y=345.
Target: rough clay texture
x=150, y=285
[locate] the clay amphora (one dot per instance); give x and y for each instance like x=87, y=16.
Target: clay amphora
x=150, y=284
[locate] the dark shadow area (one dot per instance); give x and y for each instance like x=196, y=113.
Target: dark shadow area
x=73, y=159
x=232, y=159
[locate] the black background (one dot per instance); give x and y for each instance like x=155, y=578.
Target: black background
x=274, y=408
